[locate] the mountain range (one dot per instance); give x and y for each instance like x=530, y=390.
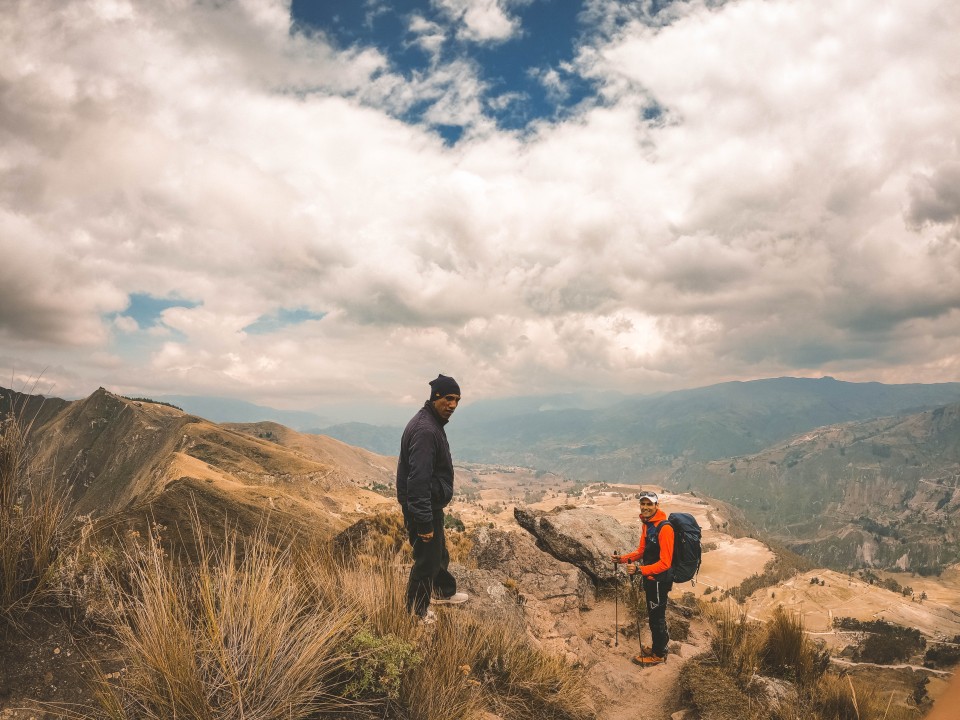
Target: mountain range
x=617, y=441
x=848, y=474
x=880, y=493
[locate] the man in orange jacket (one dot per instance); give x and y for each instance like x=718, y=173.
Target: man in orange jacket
x=655, y=555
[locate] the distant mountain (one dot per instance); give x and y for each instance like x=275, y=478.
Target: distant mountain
x=376, y=438
x=880, y=493
x=228, y=410
x=385, y=439
x=641, y=434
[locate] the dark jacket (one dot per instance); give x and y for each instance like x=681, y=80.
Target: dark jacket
x=424, y=468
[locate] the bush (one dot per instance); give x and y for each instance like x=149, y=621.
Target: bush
x=941, y=656
x=377, y=665
x=882, y=642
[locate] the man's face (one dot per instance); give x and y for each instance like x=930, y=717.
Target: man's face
x=446, y=405
x=647, y=508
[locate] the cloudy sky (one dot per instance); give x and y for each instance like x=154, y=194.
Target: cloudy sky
x=331, y=201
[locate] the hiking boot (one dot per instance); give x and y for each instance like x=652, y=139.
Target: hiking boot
x=429, y=618
x=648, y=660
x=455, y=599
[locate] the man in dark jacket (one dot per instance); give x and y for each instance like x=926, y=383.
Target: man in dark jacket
x=424, y=489
x=655, y=553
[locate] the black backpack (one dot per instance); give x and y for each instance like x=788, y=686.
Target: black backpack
x=686, y=546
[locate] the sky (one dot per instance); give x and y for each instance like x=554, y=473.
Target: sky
x=326, y=203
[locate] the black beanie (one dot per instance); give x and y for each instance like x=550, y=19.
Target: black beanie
x=443, y=385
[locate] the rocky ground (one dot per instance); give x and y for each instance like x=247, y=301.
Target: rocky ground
x=545, y=563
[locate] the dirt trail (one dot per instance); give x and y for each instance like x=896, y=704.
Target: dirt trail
x=627, y=691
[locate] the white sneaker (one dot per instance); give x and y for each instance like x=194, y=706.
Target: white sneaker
x=429, y=619
x=455, y=599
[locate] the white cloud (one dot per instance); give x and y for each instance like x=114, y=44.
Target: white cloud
x=430, y=36
x=125, y=323
x=480, y=20
x=791, y=211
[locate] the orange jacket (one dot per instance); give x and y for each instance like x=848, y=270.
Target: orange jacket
x=665, y=537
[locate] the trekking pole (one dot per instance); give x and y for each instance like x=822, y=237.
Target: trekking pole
x=636, y=609
x=616, y=604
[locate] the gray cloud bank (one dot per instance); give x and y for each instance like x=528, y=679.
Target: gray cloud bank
x=794, y=208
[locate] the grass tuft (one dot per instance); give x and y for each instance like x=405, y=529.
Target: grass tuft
x=236, y=636
x=773, y=671
x=33, y=523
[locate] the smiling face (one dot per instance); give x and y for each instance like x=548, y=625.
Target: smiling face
x=647, y=508
x=446, y=405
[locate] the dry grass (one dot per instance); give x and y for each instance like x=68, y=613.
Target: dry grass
x=248, y=627
x=735, y=642
x=466, y=662
x=285, y=633
x=787, y=652
x=715, y=694
x=33, y=523
x=734, y=679
x=844, y=698
x=232, y=637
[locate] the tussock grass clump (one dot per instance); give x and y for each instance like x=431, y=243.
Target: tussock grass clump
x=735, y=642
x=235, y=636
x=33, y=523
x=788, y=653
x=295, y=633
x=467, y=663
x=774, y=671
x=715, y=694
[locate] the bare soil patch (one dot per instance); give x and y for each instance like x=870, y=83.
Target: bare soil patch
x=46, y=668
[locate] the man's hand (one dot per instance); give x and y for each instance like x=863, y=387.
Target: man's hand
x=426, y=537
x=617, y=558
x=632, y=569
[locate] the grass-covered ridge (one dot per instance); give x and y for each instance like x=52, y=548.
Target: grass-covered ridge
x=215, y=624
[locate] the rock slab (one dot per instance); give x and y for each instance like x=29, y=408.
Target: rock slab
x=581, y=536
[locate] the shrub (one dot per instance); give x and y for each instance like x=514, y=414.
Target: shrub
x=940, y=656
x=377, y=665
x=882, y=642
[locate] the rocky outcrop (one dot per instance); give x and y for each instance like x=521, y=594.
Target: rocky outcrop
x=581, y=536
x=512, y=575
x=529, y=571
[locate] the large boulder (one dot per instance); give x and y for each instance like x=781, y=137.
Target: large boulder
x=513, y=573
x=529, y=571
x=581, y=536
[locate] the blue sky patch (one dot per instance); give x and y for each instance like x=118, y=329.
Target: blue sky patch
x=146, y=309
x=526, y=75
x=281, y=319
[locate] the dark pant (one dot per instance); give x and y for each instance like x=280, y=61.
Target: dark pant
x=429, y=575
x=656, y=592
